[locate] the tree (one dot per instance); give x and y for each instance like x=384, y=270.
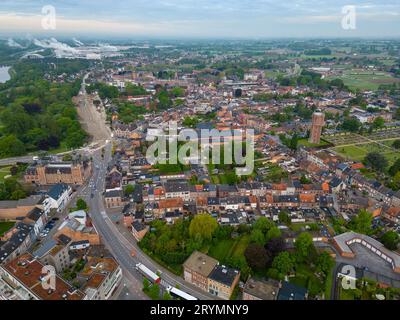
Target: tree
x=325, y=263
x=305, y=180
x=396, y=144
x=11, y=146
x=263, y=224
x=284, y=218
x=362, y=222
x=154, y=292
x=275, y=246
x=283, y=263
x=257, y=236
x=81, y=204
x=304, y=246
x=272, y=233
x=376, y=160
x=256, y=256
x=351, y=124
x=395, y=168
x=390, y=240
x=378, y=123
x=129, y=189
x=202, y=227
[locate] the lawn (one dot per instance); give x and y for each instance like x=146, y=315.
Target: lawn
x=355, y=153
x=229, y=248
x=358, y=152
x=366, y=80
x=5, y=226
x=306, y=278
x=304, y=142
x=4, y=171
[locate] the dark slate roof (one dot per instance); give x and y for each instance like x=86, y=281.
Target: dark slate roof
x=335, y=182
x=138, y=226
x=224, y=275
x=290, y=291
x=57, y=190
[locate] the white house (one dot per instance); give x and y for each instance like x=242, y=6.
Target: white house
x=57, y=197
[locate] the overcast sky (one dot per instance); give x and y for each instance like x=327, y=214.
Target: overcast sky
x=203, y=18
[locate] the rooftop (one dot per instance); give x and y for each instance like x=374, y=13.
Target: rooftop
x=200, y=263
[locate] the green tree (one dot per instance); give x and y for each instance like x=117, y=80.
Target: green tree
x=272, y=233
x=390, y=240
x=362, y=223
x=396, y=144
x=325, y=263
x=81, y=204
x=263, y=224
x=304, y=246
x=202, y=227
x=284, y=218
x=257, y=236
x=283, y=263
x=129, y=189
x=376, y=160
x=11, y=146
x=351, y=124
x=378, y=123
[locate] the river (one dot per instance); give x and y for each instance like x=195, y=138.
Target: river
x=4, y=75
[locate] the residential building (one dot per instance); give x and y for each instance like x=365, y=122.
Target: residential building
x=197, y=268
x=57, y=197
x=222, y=281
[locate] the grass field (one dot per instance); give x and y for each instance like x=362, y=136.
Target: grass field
x=229, y=248
x=304, y=142
x=358, y=152
x=366, y=80
x=5, y=226
x=4, y=171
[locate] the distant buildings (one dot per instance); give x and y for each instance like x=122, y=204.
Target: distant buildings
x=318, y=121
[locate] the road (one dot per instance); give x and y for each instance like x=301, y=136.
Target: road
x=116, y=243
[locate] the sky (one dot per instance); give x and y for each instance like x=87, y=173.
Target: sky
x=252, y=19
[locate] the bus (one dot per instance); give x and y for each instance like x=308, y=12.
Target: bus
x=147, y=273
x=179, y=294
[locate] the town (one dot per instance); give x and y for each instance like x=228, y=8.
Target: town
x=79, y=195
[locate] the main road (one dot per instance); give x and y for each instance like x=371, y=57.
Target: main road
x=115, y=241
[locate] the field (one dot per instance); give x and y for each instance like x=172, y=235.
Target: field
x=229, y=248
x=4, y=171
x=355, y=147
x=365, y=80
x=5, y=226
x=304, y=142
x=358, y=152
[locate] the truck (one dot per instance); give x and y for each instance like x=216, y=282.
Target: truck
x=147, y=273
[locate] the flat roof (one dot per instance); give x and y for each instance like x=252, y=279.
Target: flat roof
x=264, y=290
x=344, y=241
x=28, y=271
x=200, y=263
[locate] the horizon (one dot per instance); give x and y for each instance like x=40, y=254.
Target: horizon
x=202, y=19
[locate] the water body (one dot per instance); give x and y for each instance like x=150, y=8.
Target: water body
x=4, y=75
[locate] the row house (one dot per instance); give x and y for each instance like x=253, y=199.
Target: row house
x=177, y=190
x=207, y=190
